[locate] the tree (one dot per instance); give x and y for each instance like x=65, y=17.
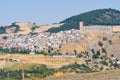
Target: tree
x=95, y=56
x=33, y=28
x=110, y=42
x=93, y=51
x=104, y=50
x=75, y=52
x=98, y=53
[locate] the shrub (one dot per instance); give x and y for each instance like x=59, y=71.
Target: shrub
x=104, y=63
x=98, y=53
x=95, y=56
x=101, y=68
x=104, y=38
x=115, y=65
x=100, y=43
x=104, y=50
x=79, y=55
x=110, y=42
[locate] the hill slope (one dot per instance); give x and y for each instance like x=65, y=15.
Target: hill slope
x=95, y=17
x=110, y=75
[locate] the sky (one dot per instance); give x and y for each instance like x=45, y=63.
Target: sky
x=48, y=11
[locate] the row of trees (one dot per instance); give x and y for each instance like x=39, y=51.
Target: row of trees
x=12, y=51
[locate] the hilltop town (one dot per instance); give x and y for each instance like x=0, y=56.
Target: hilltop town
x=46, y=41
x=36, y=52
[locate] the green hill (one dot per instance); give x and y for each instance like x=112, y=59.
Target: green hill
x=95, y=17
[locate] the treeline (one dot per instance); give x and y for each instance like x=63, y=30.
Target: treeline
x=26, y=51
x=13, y=51
x=95, y=17
x=34, y=71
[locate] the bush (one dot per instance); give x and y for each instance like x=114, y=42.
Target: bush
x=95, y=56
x=79, y=55
x=101, y=68
x=100, y=43
x=104, y=38
x=115, y=65
x=104, y=50
x=98, y=53
x=104, y=63
x=77, y=68
x=110, y=42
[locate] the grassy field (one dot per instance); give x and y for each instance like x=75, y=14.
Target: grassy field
x=36, y=59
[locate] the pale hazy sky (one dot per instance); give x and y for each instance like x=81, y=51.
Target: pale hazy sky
x=48, y=11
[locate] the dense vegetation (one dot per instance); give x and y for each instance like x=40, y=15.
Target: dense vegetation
x=95, y=17
x=40, y=71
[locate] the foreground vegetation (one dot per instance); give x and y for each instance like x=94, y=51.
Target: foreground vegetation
x=40, y=71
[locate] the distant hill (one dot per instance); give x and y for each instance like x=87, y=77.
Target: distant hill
x=26, y=28
x=95, y=17
x=12, y=28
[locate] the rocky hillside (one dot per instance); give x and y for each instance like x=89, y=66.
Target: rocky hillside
x=95, y=17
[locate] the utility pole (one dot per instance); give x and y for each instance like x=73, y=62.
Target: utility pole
x=23, y=74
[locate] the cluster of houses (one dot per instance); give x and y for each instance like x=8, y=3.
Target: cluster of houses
x=41, y=41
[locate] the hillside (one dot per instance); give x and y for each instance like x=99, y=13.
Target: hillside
x=107, y=75
x=43, y=28
x=25, y=28
x=95, y=17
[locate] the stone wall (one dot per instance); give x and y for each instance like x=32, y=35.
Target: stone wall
x=98, y=28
